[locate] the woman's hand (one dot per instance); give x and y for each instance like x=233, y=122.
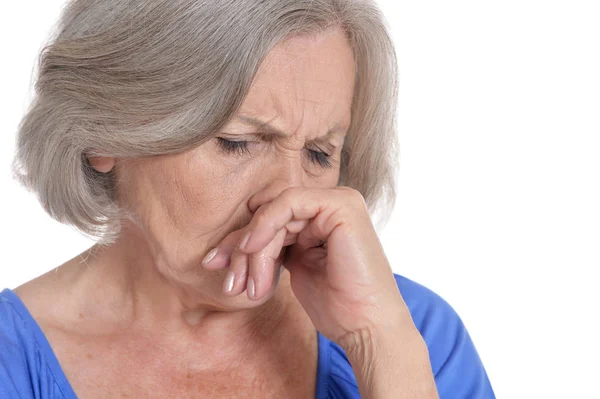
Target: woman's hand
x=341, y=277
x=339, y=271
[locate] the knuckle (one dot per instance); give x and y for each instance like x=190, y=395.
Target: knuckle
x=355, y=197
x=261, y=216
x=289, y=192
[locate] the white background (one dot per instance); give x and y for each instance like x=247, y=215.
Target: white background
x=499, y=184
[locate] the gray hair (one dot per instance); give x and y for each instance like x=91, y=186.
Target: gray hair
x=135, y=78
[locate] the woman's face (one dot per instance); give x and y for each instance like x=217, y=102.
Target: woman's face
x=186, y=203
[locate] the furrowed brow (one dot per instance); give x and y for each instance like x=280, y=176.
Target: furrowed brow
x=267, y=129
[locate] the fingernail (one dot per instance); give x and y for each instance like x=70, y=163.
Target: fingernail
x=209, y=256
x=251, y=287
x=245, y=240
x=228, y=285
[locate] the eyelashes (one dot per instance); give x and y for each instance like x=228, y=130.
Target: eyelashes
x=233, y=147
x=240, y=148
x=320, y=158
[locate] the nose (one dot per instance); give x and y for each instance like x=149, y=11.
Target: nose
x=286, y=173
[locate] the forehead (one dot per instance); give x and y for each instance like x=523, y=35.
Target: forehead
x=305, y=82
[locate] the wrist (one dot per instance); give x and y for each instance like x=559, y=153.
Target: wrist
x=392, y=327
x=374, y=343
x=390, y=362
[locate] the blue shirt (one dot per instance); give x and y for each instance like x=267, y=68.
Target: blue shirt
x=29, y=368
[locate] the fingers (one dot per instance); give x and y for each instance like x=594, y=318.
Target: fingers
x=219, y=257
x=223, y=257
x=307, y=240
x=264, y=266
x=292, y=206
x=236, y=280
x=305, y=216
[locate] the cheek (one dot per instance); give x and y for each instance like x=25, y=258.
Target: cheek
x=204, y=196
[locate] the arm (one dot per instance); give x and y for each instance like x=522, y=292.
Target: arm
x=455, y=364
x=390, y=362
x=387, y=365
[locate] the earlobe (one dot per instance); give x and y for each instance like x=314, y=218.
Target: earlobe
x=102, y=164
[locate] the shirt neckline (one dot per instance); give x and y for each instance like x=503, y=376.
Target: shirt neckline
x=323, y=351
x=50, y=357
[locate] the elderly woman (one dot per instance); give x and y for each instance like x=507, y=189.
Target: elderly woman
x=227, y=156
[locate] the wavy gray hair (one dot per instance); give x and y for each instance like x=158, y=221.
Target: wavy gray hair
x=136, y=78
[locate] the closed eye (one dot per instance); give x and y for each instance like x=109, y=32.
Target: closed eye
x=320, y=158
x=233, y=147
x=241, y=148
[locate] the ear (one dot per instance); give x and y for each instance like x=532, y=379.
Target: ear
x=102, y=164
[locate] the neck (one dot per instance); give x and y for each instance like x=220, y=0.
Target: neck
x=125, y=288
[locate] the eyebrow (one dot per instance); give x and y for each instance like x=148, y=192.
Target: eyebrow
x=267, y=129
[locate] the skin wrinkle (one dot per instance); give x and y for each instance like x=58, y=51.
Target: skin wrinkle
x=289, y=151
x=183, y=205
x=161, y=317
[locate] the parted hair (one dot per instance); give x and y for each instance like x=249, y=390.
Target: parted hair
x=137, y=78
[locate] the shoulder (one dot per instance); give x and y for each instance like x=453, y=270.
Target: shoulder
x=458, y=370
x=24, y=372
x=428, y=309
x=17, y=352
x=15, y=336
